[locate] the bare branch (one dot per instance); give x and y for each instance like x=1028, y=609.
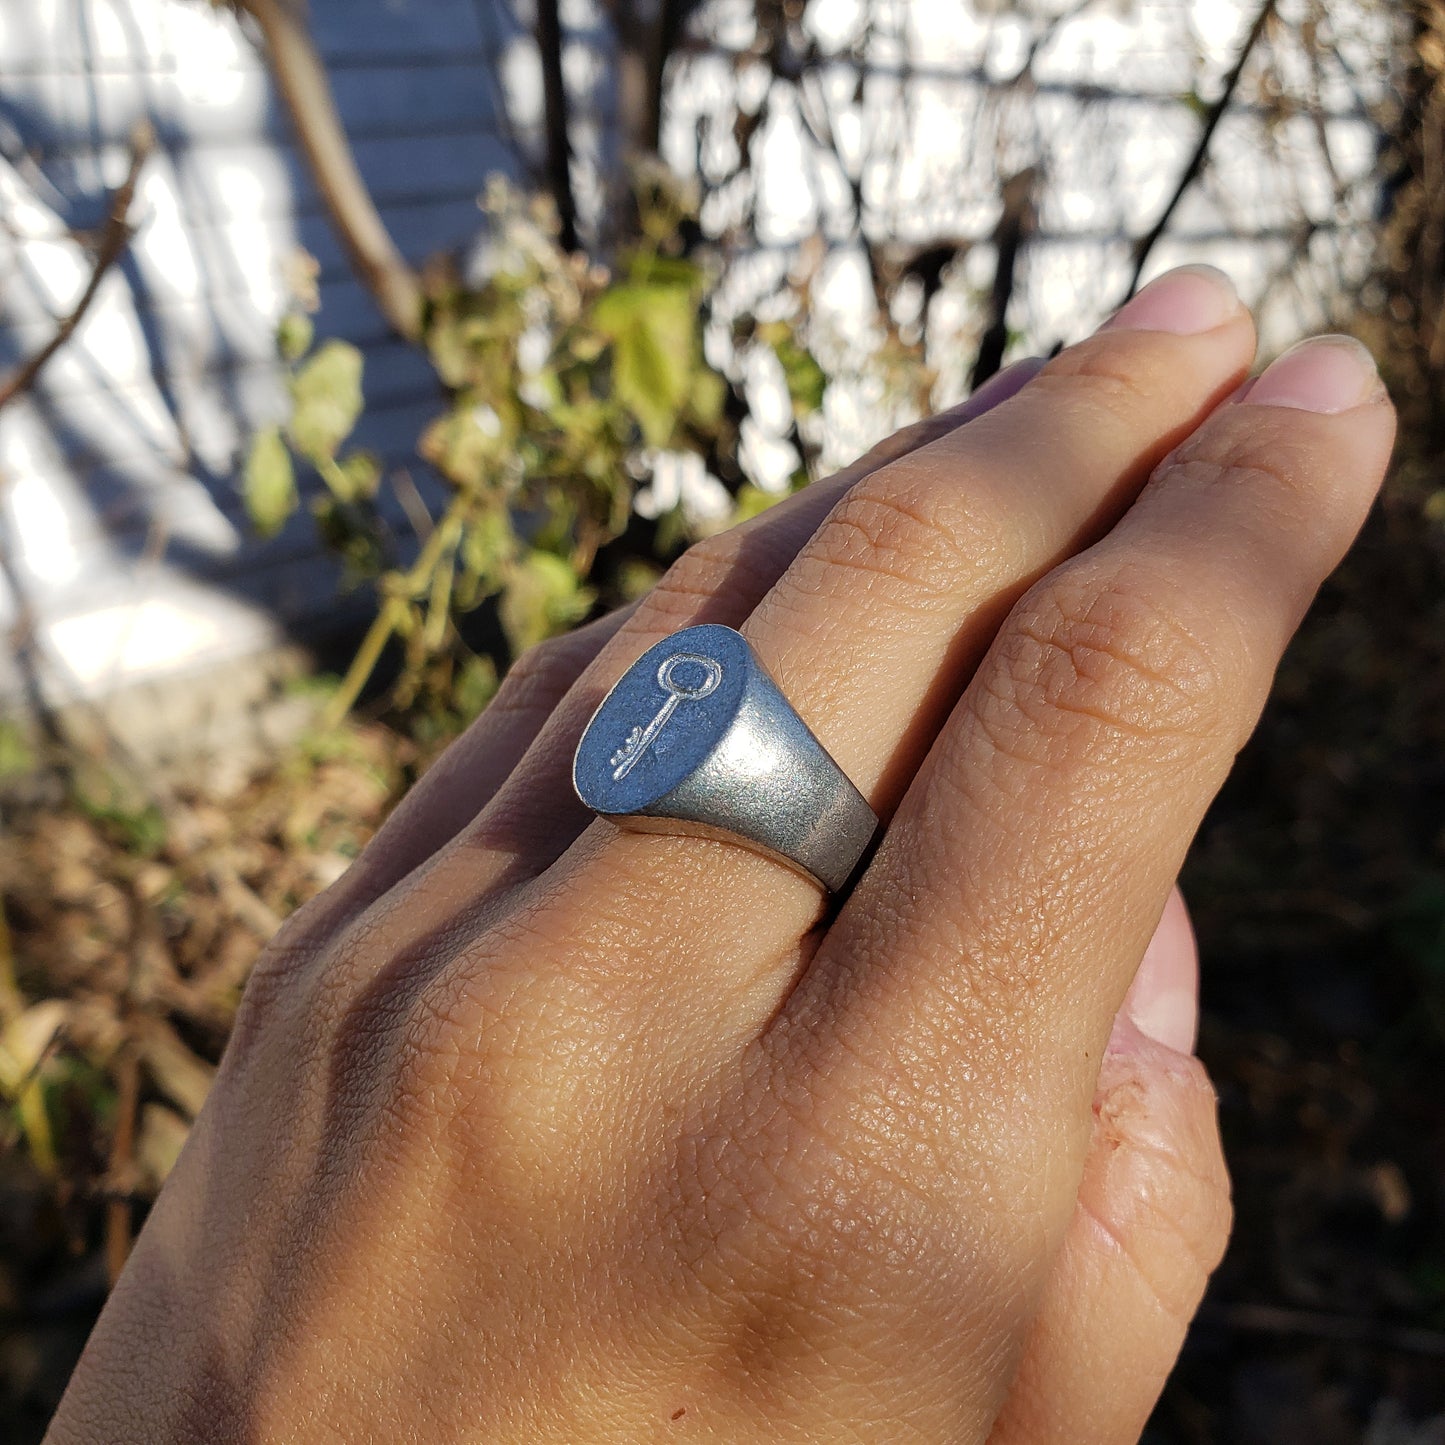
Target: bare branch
x=669, y=30
x=1316, y=1324
x=559, y=145
x=114, y=238
x=1015, y=222
x=305, y=88
x=1191, y=171
x=1042, y=38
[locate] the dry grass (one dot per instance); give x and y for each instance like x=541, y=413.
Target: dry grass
x=130, y=927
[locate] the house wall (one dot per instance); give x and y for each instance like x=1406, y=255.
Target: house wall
x=127, y=556
x=119, y=501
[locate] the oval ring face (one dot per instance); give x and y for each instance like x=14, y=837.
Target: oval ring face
x=665, y=715
x=696, y=737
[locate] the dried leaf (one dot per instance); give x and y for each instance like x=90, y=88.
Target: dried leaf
x=25, y=1039
x=23, y=1046
x=182, y=1077
x=543, y=595
x=159, y=1141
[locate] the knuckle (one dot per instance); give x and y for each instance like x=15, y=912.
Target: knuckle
x=1234, y=456
x=717, y=564
x=292, y=968
x=922, y=534
x=287, y=954
x=1099, y=372
x=354, y=979
x=537, y=680
x=1105, y=661
x=514, y=1046
x=455, y=1044
x=453, y=1064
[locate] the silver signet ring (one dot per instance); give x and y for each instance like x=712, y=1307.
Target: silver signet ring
x=697, y=738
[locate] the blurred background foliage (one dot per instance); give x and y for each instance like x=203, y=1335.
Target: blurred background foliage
x=565, y=382
x=568, y=384
x=591, y=408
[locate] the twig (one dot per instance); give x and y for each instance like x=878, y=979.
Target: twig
x=820, y=124
x=305, y=87
x=1315, y=1324
x=1145, y=245
x=392, y=615
x=554, y=123
x=1044, y=36
x=121, y=1182
x=115, y=237
x=1015, y=222
x=413, y=504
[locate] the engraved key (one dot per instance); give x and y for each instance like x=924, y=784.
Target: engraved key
x=640, y=739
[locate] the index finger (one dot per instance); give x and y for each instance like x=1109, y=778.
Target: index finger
x=983, y=956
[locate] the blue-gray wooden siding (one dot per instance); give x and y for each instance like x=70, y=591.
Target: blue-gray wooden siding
x=436, y=94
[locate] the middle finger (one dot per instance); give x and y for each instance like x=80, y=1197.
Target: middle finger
x=875, y=627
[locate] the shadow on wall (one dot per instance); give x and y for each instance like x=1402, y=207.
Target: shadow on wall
x=120, y=508
x=125, y=542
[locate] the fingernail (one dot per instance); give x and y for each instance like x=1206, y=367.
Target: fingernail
x=1163, y=1001
x=1185, y=301
x=1324, y=373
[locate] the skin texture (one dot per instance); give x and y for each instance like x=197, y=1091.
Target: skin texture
x=532, y=1130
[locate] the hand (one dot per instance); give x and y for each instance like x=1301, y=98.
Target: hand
x=533, y=1130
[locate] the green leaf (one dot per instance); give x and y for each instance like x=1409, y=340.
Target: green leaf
x=543, y=596
x=806, y=380
x=804, y=376
x=487, y=546
x=449, y=352
x=649, y=269
x=269, y=482
x=470, y=444
x=709, y=395
x=354, y=478
x=346, y=531
x=636, y=577
x=17, y=757
x=294, y=334
x=326, y=399
x=751, y=500
x=139, y=828
x=654, y=334
x=474, y=686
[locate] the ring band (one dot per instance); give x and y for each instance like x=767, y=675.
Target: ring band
x=697, y=738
